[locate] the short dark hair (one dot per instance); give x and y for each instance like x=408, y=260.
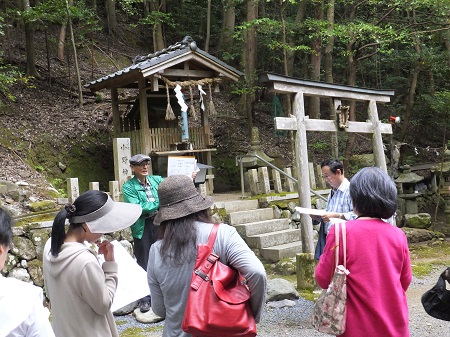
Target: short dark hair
x=333, y=164
x=86, y=203
x=6, y=235
x=373, y=193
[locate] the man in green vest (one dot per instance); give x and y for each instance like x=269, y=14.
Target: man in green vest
x=142, y=189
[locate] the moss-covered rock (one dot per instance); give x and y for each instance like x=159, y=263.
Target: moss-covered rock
x=23, y=248
x=36, y=272
x=43, y=205
x=420, y=220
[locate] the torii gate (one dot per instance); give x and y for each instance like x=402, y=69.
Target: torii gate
x=300, y=124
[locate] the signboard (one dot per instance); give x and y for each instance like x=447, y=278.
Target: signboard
x=184, y=165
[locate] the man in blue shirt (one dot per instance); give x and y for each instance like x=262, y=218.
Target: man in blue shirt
x=339, y=203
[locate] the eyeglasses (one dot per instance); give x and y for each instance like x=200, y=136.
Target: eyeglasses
x=325, y=176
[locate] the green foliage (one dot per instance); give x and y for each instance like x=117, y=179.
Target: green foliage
x=154, y=18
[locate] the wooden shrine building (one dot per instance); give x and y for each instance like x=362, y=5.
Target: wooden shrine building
x=152, y=98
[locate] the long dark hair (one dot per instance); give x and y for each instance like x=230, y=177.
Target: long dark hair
x=86, y=203
x=6, y=235
x=179, y=238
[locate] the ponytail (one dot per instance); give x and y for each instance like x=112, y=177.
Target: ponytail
x=59, y=229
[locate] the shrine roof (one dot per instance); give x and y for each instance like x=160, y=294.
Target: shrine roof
x=158, y=62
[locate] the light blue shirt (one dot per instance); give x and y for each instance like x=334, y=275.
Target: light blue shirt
x=339, y=201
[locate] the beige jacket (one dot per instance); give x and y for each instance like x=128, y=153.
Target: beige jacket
x=80, y=291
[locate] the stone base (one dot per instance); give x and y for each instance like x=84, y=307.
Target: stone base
x=306, y=266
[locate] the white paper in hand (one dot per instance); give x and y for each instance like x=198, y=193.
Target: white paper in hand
x=132, y=284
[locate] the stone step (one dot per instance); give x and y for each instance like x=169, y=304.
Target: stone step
x=255, y=215
x=276, y=253
x=273, y=239
x=260, y=227
x=237, y=205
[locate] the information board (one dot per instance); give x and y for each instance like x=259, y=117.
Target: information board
x=184, y=165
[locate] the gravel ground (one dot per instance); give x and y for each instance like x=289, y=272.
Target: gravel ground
x=294, y=321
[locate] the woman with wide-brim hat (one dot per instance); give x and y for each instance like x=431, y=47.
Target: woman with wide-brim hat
x=80, y=288
x=185, y=222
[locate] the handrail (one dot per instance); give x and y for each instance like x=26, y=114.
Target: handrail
x=241, y=168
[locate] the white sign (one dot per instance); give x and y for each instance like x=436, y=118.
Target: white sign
x=181, y=165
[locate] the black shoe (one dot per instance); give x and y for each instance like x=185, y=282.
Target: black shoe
x=144, y=306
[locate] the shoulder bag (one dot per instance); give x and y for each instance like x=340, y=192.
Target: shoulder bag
x=436, y=301
x=329, y=312
x=218, y=299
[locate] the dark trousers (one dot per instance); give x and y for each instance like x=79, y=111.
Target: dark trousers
x=142, y=246
x=321, y=240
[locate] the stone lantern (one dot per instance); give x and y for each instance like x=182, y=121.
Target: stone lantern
x=407, y=190
x=443, y=170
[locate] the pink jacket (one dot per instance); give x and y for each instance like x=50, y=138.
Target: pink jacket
x=380, y=273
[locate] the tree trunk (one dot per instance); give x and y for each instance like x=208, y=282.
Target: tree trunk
x=290, y=55
x=352, y=111
x=228, y=24
x=111, y=17
x=29, y=43
x=250, y=41
x=316, y=58
x=293, y=39
x=208, y=26
x=77, y=70
x=329, y=72
x=158, y=36
x=410, y=100
x=61, y=41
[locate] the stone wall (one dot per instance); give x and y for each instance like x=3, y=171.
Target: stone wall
x=24, y=260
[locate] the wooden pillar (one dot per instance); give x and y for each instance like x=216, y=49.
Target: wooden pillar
x=378, y=149
x=73, y=190
x=145, y=128
x=115, y=112
x=94, y=186
x=301, y=156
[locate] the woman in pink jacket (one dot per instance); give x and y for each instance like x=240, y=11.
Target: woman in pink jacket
x=377, y=258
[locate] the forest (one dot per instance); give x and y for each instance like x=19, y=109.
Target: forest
x=379, y=44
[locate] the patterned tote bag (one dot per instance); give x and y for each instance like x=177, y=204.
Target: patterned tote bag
x=329, y=312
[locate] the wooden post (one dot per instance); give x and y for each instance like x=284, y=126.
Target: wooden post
x=277, y=181
x=114, y=190
x=322, y=183
x=378, y=150
x=122, y=155
x=94, y=186
x=253, y=181
x=288, y=183
x=73, y=190
x=302, y=173
x=312, y=176
x=263, y=177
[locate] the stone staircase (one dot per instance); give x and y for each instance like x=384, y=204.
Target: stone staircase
x=273, y=237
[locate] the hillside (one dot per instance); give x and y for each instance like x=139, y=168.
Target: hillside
x=47, y=137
